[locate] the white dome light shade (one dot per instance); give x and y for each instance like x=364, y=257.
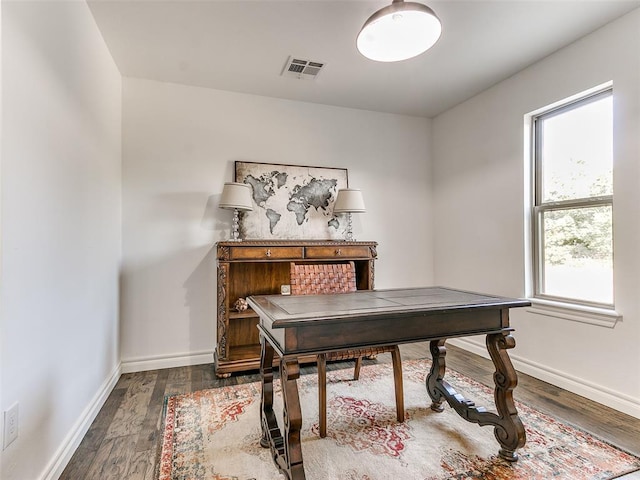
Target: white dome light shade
x=398, y=32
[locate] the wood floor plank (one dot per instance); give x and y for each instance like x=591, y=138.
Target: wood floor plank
x=149, y=433
x=141, y=466
x=132, y=411
x=100, y=461
x=119, y=460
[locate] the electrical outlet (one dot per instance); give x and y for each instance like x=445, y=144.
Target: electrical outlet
x=10, y=425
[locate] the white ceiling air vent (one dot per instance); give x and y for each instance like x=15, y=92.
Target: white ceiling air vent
x=302, y=69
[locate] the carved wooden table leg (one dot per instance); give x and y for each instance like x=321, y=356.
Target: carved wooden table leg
x=509, y=431
x=290, y=372
x=270, y=432
x=508, y=428
x=286, y=450
x=436, y=375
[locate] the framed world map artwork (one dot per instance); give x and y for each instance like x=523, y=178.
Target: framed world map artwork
x=292, y=202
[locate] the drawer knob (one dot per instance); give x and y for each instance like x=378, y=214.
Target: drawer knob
x=268, y=252
x=338, y=252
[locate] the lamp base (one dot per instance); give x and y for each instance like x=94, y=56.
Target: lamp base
x=348, y=236
x=235, y=230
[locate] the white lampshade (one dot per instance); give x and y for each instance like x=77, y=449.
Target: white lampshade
x=236, y=196
x=399, y=31
x=349, y=200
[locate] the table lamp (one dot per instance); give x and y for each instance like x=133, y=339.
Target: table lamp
x=236, y=197
x=349, y=200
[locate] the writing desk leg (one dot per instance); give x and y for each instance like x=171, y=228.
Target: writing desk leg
x=435, y=380
x=270, y=431
x=290, y=372
x=508, y=428
x=286, y=449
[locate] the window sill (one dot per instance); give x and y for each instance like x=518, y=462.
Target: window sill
x=602, y=317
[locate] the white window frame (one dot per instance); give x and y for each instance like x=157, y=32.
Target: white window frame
x=595, y=313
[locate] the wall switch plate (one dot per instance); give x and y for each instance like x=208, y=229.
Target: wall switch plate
x=10, y=425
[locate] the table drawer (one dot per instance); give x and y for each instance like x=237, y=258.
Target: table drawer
x=346, y=251
x=264, y=253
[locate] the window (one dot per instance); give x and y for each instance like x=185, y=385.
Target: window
x=573, y=202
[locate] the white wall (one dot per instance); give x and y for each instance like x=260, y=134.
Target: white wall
x=1, y=317
x=61, y=169
x=479, y=181
x=179, y=147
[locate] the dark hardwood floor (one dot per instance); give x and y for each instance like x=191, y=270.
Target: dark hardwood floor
x=121, y=443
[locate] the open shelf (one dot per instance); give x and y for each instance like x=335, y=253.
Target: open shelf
x=244, y=352
x=249, y=313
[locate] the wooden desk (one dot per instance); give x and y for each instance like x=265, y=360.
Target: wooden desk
x=292, y=326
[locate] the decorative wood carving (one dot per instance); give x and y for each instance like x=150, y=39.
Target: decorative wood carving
x=223, y=252
x=223, y=319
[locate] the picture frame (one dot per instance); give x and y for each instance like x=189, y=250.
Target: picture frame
x=291, y=202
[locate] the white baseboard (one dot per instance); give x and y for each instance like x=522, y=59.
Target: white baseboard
x=68, y=447
x=142, y=364
x=597, y=393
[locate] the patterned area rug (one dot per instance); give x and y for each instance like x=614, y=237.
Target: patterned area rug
x=214, y=434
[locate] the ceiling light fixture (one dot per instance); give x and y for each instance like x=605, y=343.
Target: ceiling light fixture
x=399, y=31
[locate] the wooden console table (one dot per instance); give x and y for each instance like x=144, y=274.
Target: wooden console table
x=311, y=324
x=261, y=268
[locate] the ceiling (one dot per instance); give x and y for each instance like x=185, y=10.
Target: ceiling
x=243, y=46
